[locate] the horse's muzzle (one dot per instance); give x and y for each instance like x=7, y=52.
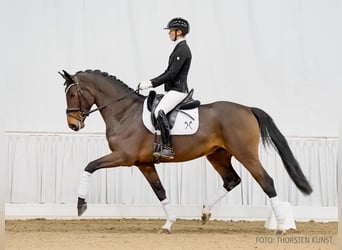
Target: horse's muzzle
x=75, y=123
x=73, y=127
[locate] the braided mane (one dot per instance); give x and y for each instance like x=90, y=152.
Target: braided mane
x=113, y=79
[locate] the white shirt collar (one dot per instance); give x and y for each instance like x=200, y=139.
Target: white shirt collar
x=179, y=40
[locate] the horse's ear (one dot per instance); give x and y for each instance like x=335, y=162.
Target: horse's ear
x=62, y=75
x=67, y=76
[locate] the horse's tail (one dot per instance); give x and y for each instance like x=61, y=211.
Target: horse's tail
x=270, y=134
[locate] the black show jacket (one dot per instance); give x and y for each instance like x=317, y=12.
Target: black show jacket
x=176, y=74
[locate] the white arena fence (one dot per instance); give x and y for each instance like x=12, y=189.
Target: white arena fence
x=44, y=169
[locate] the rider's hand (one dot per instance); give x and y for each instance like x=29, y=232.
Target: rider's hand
x=145, y=85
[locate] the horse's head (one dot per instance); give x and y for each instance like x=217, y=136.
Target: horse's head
x=79, y=101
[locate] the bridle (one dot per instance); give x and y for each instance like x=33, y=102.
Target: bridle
x=83, y=114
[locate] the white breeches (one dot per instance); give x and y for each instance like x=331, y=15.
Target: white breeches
x=169, y=101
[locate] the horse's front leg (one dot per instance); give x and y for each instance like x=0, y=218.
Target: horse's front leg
x=111, y=160
x=150, y=173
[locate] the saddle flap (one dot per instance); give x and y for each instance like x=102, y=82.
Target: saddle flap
x=150, y=99
x=188, y=103
x=185, y=122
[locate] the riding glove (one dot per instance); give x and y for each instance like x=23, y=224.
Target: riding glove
x=145, y=85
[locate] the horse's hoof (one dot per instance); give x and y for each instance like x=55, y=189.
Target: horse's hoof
x=280, y=232
x=205, y=218
x=81, y=206
x=164, y=231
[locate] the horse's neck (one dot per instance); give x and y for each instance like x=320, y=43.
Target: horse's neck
x=118, y=102
x=121, y=115
x=105, y=92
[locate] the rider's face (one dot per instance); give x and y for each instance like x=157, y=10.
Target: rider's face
x=172, y=34
x=175, y=34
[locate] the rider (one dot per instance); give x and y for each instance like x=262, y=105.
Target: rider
x=174, y=79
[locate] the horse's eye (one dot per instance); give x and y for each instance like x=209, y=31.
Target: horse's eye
x=72, y=95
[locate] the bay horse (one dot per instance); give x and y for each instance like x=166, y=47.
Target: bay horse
x=226, y=129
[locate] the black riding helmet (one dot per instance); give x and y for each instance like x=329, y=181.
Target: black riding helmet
x=179, y=23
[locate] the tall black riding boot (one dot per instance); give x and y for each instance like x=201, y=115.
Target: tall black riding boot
x=164, y=126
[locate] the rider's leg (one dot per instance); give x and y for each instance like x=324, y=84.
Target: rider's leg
x=164, y=126
x=167, y=103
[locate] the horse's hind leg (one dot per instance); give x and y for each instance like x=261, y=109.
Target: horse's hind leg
x=221, y=161
x=150, y=173
x=254, y=166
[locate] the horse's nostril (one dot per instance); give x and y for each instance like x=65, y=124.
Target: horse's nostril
x=73, y=127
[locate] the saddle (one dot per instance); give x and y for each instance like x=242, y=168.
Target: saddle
x=153, y=100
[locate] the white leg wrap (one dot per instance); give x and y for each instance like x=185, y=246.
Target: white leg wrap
x=167, y=225
x=212, y=200
x=170, y=216
x=84, y=185
x=278, y=211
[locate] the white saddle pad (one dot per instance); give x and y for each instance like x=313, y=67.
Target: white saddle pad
x=184, y=124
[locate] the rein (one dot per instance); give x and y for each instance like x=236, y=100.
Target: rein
x=105, y=105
